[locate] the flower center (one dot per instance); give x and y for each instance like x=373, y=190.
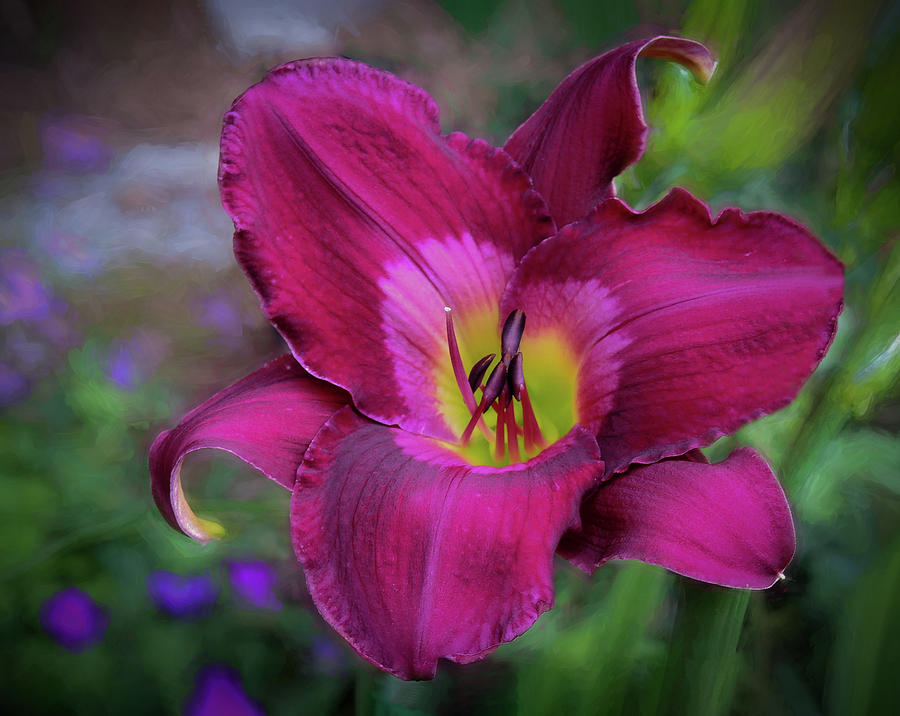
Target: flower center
x=497, y=395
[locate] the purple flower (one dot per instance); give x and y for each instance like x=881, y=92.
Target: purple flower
x=254, y=581
x=121, y=367
x=71, y=252
x=14, y=386
x=23, y=296
x=74, y=144
x=218, y=692
x=219, y=312
x=328, y=657
x=73, y=619
x=439, y=452
x=182, y=596
x=130, y=361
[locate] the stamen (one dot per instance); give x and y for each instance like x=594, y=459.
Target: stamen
x=511, y=336
x=473, y=421
x=478, y=371
x=499, y=445
x=512, y=433
x=532, y=431
x=495, y=384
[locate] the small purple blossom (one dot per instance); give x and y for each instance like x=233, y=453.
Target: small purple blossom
x=218, y=692
x=71, y=252
x=14, y=386
x=38, y=326
x=73, y=619
x=23, y=296
x=74, y=144
x=122, y=369
x=180, y=595
x=254, y=581
x=328, y=657
x=130, y=361
x=219, y=313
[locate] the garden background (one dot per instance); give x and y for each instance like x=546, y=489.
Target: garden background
x=121, y=307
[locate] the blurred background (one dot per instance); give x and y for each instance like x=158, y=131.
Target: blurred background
x=121, y=307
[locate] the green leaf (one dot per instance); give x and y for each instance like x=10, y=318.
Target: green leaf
x=866, y=655
x=703, y=658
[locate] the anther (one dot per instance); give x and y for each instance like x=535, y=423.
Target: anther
x=494, y=385
x=512, y=333
x=479, y=369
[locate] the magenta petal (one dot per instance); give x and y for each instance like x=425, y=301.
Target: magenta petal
x=727, y=523
x=592, y=127
x=357, y=222
x=267, y=419
x=412, y=554
x=685, y=328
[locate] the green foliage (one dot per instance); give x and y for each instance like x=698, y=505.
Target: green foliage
x=601, y=657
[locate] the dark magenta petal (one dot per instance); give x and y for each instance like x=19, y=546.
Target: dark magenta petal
x=412, y=554
x=182, y=595
x=218, y=692
x=592, y=127
x=685, y=328
x=357, y=222
x=267, y=419
x=73, y=619
x=727, y=523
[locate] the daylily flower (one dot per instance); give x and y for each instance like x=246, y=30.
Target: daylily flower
x=470, y=390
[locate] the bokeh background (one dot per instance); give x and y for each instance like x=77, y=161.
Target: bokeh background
x=121, y=307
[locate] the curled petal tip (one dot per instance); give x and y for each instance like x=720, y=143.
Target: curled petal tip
x=267, y=420
x=691, y=54
x=592, y=126
x=705, y=75
x=200, y=529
